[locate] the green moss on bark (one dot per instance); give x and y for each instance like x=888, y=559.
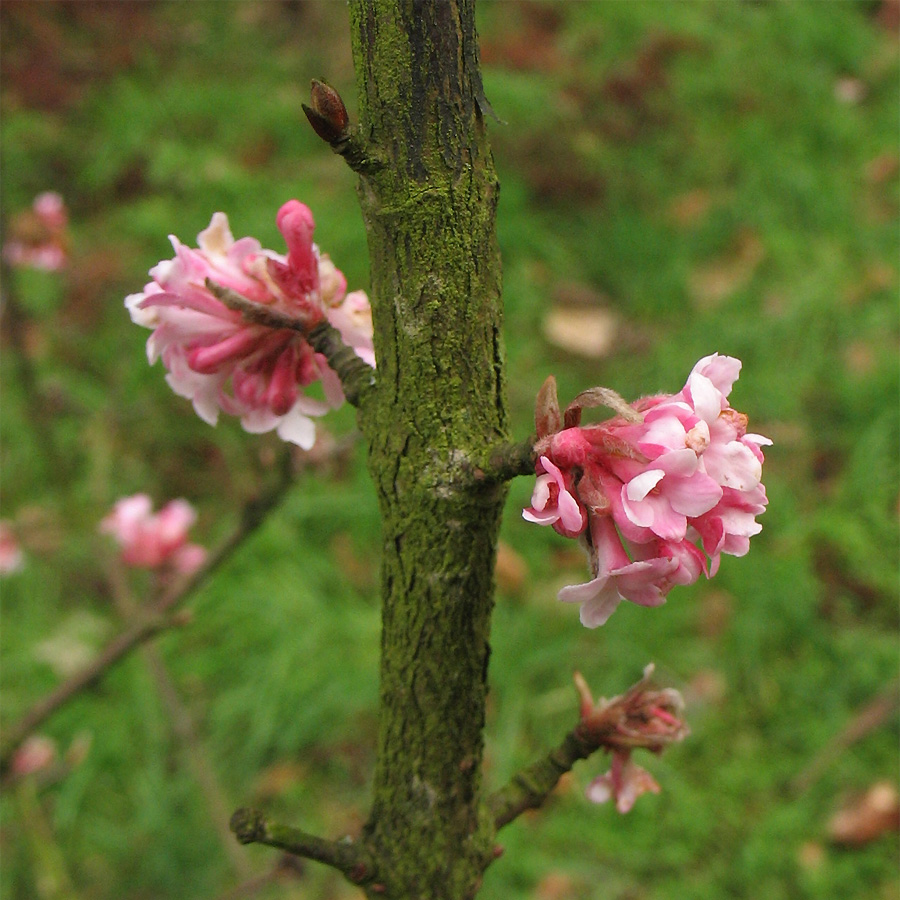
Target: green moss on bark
x=439, y=402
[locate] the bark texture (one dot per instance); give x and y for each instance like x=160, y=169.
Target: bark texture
x=428, y=192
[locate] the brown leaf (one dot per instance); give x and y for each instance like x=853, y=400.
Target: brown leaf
x=712, y=284
x=690, y=208
x=511, y=569
x=358, y=570
x=555, y=886
x=584, y=331
x=868, y=817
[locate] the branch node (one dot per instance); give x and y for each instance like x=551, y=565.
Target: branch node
x=248, y=825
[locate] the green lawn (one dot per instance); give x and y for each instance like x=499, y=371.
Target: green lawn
x=722, y=176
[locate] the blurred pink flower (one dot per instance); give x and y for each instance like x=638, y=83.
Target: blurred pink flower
x=643, y=716
x=11, y=558
x=652, y=497
x=150, y=541
x=36, y=752
x=221, y=362
x=39, y=238
x=624, y=782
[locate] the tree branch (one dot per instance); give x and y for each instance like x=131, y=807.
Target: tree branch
x=530, y=788
x=250, y=826
x=356, y=377
x=641, y=717
x=158, y=618
x=505, y=461
x=328, y=118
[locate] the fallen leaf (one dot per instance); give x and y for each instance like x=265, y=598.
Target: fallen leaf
x=687, y=209
x=882, y=168
x=275, y=780
x=868, y=817
x=74, y=644
x=587, y=332
x=359, y=571
x=850, y=90
x=711, y=284
x=554, y=886
x=811, y=856
x=511, y=569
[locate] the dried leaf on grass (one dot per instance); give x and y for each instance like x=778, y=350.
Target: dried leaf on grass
x=712, y=284
x=511, y=569
x=868, y=817
x=584, y=331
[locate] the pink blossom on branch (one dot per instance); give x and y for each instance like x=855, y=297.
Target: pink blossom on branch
x=656, y=493
x=151, y=540
x=223, y=363
x=642, y=717
x=39, y=237
x=11, y=557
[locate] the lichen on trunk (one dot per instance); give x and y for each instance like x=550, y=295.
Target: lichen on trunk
x=429, y=206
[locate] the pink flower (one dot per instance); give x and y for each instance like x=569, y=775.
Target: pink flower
x=624, y=782
x=39, y=238
x=221, y=362
x=37, y=752
x=150, y=541
x=662, y=486
x=11, y=558
x=643, y=716
x=553, y=504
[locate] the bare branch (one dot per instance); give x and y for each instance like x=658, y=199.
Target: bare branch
x=251, y=827
x=157, y=618
x=505, y=461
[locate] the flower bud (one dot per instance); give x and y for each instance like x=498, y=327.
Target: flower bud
x=328, y=115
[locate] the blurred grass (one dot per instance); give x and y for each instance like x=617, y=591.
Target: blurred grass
x=721, y=175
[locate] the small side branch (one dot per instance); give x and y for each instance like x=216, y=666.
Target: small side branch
x=252, y=827
x=356, y=376
x=643, y=717
x=530, y=788
x=159, y=617
x=505, y=461
x=328, y=117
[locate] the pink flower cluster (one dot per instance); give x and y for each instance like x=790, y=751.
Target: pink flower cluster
x=641, y=717
x=151, y=541
x=220, y=361
x=39, y=237
x=657, y=492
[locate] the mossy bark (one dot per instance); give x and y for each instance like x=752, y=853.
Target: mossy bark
x=429, y=198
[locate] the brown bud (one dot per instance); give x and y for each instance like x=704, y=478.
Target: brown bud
x=327, y=115
x=599, y=396
x=547, y=417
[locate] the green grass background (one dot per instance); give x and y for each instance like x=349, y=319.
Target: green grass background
x=693, y=166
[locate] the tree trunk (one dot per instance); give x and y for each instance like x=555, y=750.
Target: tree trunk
x=429, y=201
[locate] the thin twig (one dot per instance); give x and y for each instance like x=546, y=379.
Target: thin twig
x=871, y=716
x=157, y=618
x=356, y=376
x=530, y=788
x=250, y=826
x=184, y=730
x=505, y=461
